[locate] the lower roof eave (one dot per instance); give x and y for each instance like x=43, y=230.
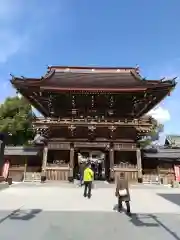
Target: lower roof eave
x=22, y=151
x=163, y=156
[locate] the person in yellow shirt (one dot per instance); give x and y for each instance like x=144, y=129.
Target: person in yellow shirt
x=88, y=179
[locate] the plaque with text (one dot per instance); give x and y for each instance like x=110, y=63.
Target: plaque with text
x=91, y=145
x=58, y=146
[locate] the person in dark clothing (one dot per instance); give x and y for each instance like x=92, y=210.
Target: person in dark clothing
x=100, y=171
x=122, y=193
x=82, y=166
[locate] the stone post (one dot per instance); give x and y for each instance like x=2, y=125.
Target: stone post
x=139, y=165
x=111, y=165
x=44, y=163
x=71, y=163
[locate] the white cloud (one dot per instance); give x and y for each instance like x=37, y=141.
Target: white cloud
x=161, y=114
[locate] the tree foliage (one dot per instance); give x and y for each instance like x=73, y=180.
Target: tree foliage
x=16, y=120
x=153, y=135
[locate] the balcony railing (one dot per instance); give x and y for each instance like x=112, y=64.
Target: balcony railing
x=87, y=121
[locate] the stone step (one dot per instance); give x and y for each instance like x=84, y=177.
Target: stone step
x=3, y=185
x=32, y=177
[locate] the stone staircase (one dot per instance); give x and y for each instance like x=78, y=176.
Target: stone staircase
x=32, y=177
x=151, y=179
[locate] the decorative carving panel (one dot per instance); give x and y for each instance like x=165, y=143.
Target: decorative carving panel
x=124, y=146
x=91, y=145
x=58, y=146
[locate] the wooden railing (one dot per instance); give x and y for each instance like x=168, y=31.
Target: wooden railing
x=130, y=174
x=130, y=171
x=165, y=176
x=99, y=122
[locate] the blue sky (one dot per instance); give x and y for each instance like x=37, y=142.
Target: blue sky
x=34, y=34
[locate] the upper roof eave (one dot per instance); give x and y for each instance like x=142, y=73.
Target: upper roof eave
x=133, y=72
x=20, y=82
x=54, y=67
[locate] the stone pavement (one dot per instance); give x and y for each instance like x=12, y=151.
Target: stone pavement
x=35, y=211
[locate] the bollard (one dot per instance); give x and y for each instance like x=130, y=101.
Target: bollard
x=175, y=184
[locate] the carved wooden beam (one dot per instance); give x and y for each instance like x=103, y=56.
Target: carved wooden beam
x=73, y=102
x=91, y=131
x=72, y=129
x=91, y=128
x=112, y=129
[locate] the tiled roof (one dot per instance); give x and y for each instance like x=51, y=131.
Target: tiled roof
x=21, y=151
x=173, y=140
x=162, y=153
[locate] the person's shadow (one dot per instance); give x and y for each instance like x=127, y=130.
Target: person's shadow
x=142, y=220
x=147, y=220
x=137, y=220
x=115, y=208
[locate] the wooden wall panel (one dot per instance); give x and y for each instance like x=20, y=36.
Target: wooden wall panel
x=57, y=174
x=130, y=174
x=17, y=174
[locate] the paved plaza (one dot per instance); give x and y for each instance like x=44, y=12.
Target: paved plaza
x=53, y=211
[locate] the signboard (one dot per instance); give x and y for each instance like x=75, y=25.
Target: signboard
x=177, y=172
x=124, y=146
x=91, y=145
x=5, y=169
x=58, y=146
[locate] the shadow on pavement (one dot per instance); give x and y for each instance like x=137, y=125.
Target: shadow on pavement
x=139, y=220
x=143, y=220
x=147, y=220
x=115, y=208
x=75, y=225
x=19, y=214
x=150, y=220
x=174, y=197
x=173, y=234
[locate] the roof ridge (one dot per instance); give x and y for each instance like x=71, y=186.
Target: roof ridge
x=172, y=135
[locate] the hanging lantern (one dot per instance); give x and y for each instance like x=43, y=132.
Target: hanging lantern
x=92, y=101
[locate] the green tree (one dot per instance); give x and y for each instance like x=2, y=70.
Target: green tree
x=16, y=120
x=153, y=135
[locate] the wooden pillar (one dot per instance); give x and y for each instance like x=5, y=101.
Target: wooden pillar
x=158, y=174
x=2, y=159
x=44, y=163
x=71, y=163
x=139, y=165
x=111, y=160
x=25, y=168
